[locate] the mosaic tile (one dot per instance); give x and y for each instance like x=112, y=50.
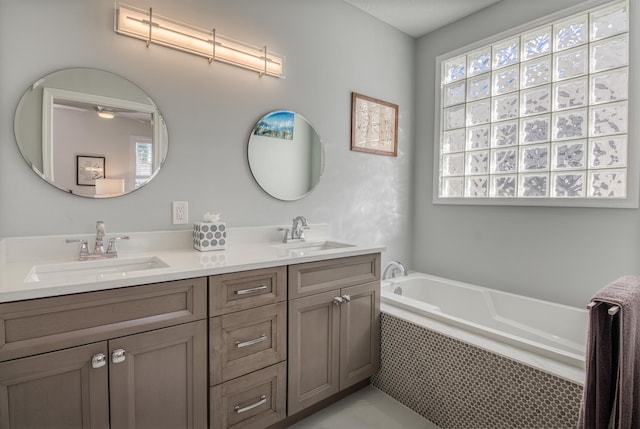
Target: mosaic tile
x=458, y=386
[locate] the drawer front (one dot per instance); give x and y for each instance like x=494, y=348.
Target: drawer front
x=248, y=340
x=316, y=277
x=247, y=289
x=46, y=324
x=253, y=401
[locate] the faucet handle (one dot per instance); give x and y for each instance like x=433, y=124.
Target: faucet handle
x=112, y=249
x=84, y=247
x=286, y=234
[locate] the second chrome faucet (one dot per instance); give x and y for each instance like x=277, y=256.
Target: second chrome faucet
x=99, y=252
x=297, y=230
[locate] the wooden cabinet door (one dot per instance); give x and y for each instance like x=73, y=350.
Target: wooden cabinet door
x=314, y=350
x=359, y=333
x=59, y=389
x=162, y=381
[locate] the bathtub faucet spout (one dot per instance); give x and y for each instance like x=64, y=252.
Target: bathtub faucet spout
x=392, y=269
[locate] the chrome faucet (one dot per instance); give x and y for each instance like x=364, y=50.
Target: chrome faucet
x=392, y=268
x=99, y=252
x=296, y=232
x=99, y=247
x=299, y=223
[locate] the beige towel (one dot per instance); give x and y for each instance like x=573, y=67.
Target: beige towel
x=611, y=396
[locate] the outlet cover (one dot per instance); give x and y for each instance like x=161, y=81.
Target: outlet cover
x=180, y=212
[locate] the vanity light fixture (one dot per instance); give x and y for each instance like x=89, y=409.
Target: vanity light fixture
x=152, y=28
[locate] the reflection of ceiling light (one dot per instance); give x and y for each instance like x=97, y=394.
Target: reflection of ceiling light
x=152, y=28
x=105, y=114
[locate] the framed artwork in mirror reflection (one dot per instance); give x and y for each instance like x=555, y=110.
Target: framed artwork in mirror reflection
x=374, y=125
x=89, y=169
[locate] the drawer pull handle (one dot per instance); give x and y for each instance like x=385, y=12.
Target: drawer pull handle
x=118, y=356
x=260, y=339
x=252, y=290
x=338, y=300
x=238, y=410
x=99, y=360
x=346, y=298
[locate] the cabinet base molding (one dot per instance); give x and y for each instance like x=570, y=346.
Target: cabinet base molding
x=290, y=420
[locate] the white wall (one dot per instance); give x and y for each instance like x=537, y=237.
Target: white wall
x=559, y=254
x=331, y=48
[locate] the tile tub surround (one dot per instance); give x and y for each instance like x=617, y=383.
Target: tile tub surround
x=248, y=248
x=457, y=385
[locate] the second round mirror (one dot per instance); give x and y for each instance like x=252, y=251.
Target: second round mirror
x=285, y=155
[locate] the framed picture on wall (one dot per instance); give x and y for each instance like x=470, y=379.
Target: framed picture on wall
x=89, y=168
x=374, y=125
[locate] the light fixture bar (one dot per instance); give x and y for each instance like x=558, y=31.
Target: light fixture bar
x=152, y=28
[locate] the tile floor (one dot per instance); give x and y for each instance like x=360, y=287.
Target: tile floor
x=368, y=408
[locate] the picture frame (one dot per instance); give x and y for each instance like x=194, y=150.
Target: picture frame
x=88, y=169
x=374, y=125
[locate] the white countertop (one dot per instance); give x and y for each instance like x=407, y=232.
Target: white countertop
x=247, y=249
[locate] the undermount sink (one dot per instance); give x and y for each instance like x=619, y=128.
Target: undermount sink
x=311, y=247
x=104, y=269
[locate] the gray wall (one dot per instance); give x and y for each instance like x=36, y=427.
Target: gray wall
x=558, y=254
x=331, y=48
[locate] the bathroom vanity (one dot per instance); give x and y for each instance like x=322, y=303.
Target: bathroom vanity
x=244, y=338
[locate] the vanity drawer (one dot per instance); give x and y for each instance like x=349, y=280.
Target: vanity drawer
x=316, y=277
x=46, y=324
x=247, y=289
x=256, y=400
x=248, y=340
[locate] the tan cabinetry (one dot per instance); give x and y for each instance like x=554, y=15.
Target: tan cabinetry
x=135, y=357
x=334, y=327
x=248, y=348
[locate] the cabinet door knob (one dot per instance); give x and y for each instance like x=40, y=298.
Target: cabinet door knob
x=118, y=356
x=99, y=360
x=346, y=298
x=338, y=300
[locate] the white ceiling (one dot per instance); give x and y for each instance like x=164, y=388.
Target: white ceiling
x=419, y=17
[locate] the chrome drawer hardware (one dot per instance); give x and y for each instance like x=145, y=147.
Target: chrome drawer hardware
x=118, y=356
x=252, y=290
x=260, y=339
x=346, y=298
x=238, y=410
x=338, y=300
x=99, y=360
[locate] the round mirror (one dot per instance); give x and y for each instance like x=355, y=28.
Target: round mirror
x=285, y=155
x=91, y=133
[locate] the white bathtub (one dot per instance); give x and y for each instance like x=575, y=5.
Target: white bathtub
x=543, y=334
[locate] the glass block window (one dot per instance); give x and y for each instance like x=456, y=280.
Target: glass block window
x=542, y=114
